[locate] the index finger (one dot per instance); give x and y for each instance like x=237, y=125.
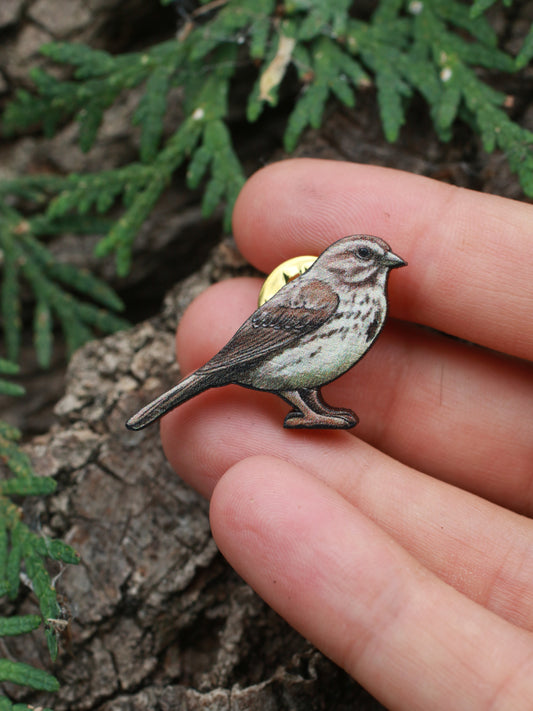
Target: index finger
x=470, y=254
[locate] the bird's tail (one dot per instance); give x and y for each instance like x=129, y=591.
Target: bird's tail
x=186, y=389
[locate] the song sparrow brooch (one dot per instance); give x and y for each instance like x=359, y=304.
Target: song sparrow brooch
x=314, y=329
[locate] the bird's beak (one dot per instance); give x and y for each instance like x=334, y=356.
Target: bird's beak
x=392, y=260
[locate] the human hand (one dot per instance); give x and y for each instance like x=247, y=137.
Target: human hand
x=403, y=549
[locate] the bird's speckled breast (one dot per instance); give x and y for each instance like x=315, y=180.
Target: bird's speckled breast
x=331, y=350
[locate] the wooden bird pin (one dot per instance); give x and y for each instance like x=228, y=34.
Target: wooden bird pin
x=310, y=332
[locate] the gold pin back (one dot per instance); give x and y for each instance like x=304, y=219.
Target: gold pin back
x=283, y=274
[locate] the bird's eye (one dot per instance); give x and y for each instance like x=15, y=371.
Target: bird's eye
x=364, y=253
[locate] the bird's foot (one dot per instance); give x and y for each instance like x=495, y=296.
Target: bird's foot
x=338, y=419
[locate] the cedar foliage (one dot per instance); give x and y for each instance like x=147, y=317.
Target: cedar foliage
x=23, y=555
x=433, y=48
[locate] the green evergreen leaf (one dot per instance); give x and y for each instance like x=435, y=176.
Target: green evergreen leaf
x=15, y=459
x=45, y=593
x=480, y=6
x=42, y=272
x=81, y=193
x=526, y=52
x=229, y=25
x=42, y=333
x=11, y=389
x=8, y=432
x=198, y=166
x=8, y=367
x=479, y=54
x=27, y=258
x=78, y=224
x=10, y=292
x=450, y=98
x=387, y=11
x=260, y=31
x=307, y=112
x=90, y=119
x=86, y=283
x=28, y=486
x=227, y=178
x=90, y=62
x=391, y=90
x=56, y=550
x=27, y=111
x=121, y=236
x=460, y=15
x=32, y=550
x=151, y=110
x=423, y=76
x=19, y=624
x=325, y=18
x=333, y=71
x=21, y=547
x=26, y=675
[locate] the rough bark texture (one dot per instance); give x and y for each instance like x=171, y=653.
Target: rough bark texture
x=159, y=621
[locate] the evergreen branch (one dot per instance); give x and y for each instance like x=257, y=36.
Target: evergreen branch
x=226, y=173
x=329, y=70
x=43, y=336
x=322, y=18
x=46, y=225
x=10, y=301
x=44, y=591
x=460, y=15
x=387, y=11
x=20, y=624
x=10, y=453
x=7, y=367
x=526, y=52
x=80, y=279
x=21, y=547
x=385, y=59
x=234, y=24
x=28, y=486
x=56, y=550
x=99, y=81
x=151, y=111
x=36, y=189
x=97, y=191
x=480, y=6
x=26, y=675
x=407, y=47
x=499, y=131
x=141, y=200
x=27, y=258
x=90, y=63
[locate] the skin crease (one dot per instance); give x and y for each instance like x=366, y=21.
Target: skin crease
x=403, y=548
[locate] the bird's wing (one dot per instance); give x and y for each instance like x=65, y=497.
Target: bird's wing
x=294, y=311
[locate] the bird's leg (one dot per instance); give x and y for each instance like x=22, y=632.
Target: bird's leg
x=316, y=401
x=312, y=412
